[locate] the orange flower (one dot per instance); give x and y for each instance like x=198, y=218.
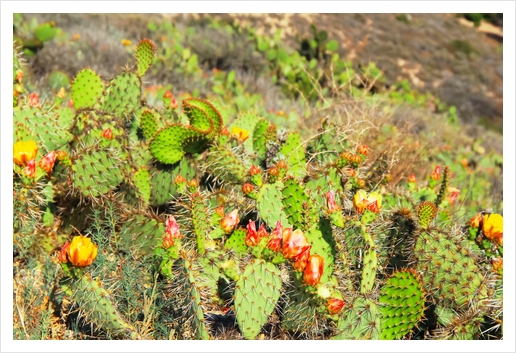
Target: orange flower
x=219, y=211
x=126, y=42
x=247, y=188
x=301, y=260
x=63, y=254
x=412, y=178
x=334, y=305
x=373, y=202
x=476, y=220
x=262, y=232
x=179, y=180
x=167, y=95
x=229, y=222
x=33, y=99
x=492, y=226
x=497, y=263
x=294, y=243
x=48, y=161
x=314, y=270
x=23, y=152
x=81, y=251
x=254, y=170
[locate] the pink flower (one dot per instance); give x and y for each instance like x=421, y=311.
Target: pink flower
x=330, y=202
x=229, y=222
x=251, y=239
x=294, y=243
x=48, y=161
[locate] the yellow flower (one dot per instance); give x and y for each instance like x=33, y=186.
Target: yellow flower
x=240, y=134
x=82, y=252
x=24, y=152
x=492, y=226
x=126, y=42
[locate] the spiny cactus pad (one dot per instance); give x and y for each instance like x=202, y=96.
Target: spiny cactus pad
x=140, y=234
x=144, y=55
x=298, y=206
x=402, y=303
x=294, y=152
x=256, y=294
x=236, y=242
x=361, y=322
x=148, y=125
x=268, y=204
x=87, y=89
x=122, y=96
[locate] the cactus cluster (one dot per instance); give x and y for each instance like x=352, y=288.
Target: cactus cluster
x=237, y=228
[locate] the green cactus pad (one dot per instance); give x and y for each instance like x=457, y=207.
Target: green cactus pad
x=458, y=325
x=203, y=116
x=318, y=187
x=148, y=125
x=222, y=164
x=96, y=306
x=370, y=266
x=167, y=146
x=426, y=212
x=361, y=322
x=449, y=271
x=259, y=138
x=45, y=32
x=142, y=183
x=200, y=220
x=140, y=234
x=322, y=245
x=256, y=294
x=402, y=304
x=144, y=55
x=268, y=204
x=47, y=129
x=163, y=188
x=298, y=206
x=236, y=242
x=122, y=96
x=97, y=173
x=294, y=152
x=87, y=89
x=299, y=314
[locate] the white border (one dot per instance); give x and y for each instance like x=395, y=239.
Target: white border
x=7, y=10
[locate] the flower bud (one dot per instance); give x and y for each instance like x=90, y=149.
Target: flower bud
x=334, y=305
x=301, y=260
x=173, y=103
x=167, y=95
x=82, y=252
x=314, y=270
x=436, y=174
x=247, y=188
x=492, y=227
x=412, y=178
x=33, y=99
x=107, y=134
x=277, y=237
x=251, y=238
x=220, y=211
x=476, y=220
x=273, y=171
x=48, y=161
x=254, y=170
x=294, y=243
x=63, y=254
x=229, y=222
x=30, y=169
x=179, y=180
x=362, y=149
x=330, y=202
x=454, y=194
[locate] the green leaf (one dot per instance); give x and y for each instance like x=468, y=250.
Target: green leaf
x=313, y=63
x=332, y=45
x=231, y=77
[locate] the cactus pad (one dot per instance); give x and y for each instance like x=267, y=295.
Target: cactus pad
x=426, y=212
x=144, y=55
x=122, y=96
x=87, y=89
x=361, y=322
x=294, y=152
x=256, y=294
x=402, y=303
x=268, y=204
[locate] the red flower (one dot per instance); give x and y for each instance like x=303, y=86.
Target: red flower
x=314, y=270
x=254, y=170
x=412, y=178
x=363, y=149
x=30, y=169
x=229, y=222
x=33, y=99
x=247, y=188
x=262, y=232
x=167, y=94
x=436, y=174
x=173, y=103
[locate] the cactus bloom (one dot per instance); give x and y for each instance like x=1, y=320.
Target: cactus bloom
x=330, y=202
x=247, y=188
x=492, y=226
x=30, y=169
x=172, y=232
x=220, y=211
x=301, y=260
x=476, y=220
x=179, y=180
x=277, y=236
x=273, y=172
x=373, y=202
x=81, y=251
x=254, y=170
x=48, y=161
x=63, y=254
x=497, y=264
x=436, y=174
x=294, y=243
x=174, y=104
x=167, y=95
x=239, y=134
x=229, y=222
x=262, y=232
x=314, y=270
x=23, y=152
x=251, y=239
x=412, y=178
x=334, y=305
